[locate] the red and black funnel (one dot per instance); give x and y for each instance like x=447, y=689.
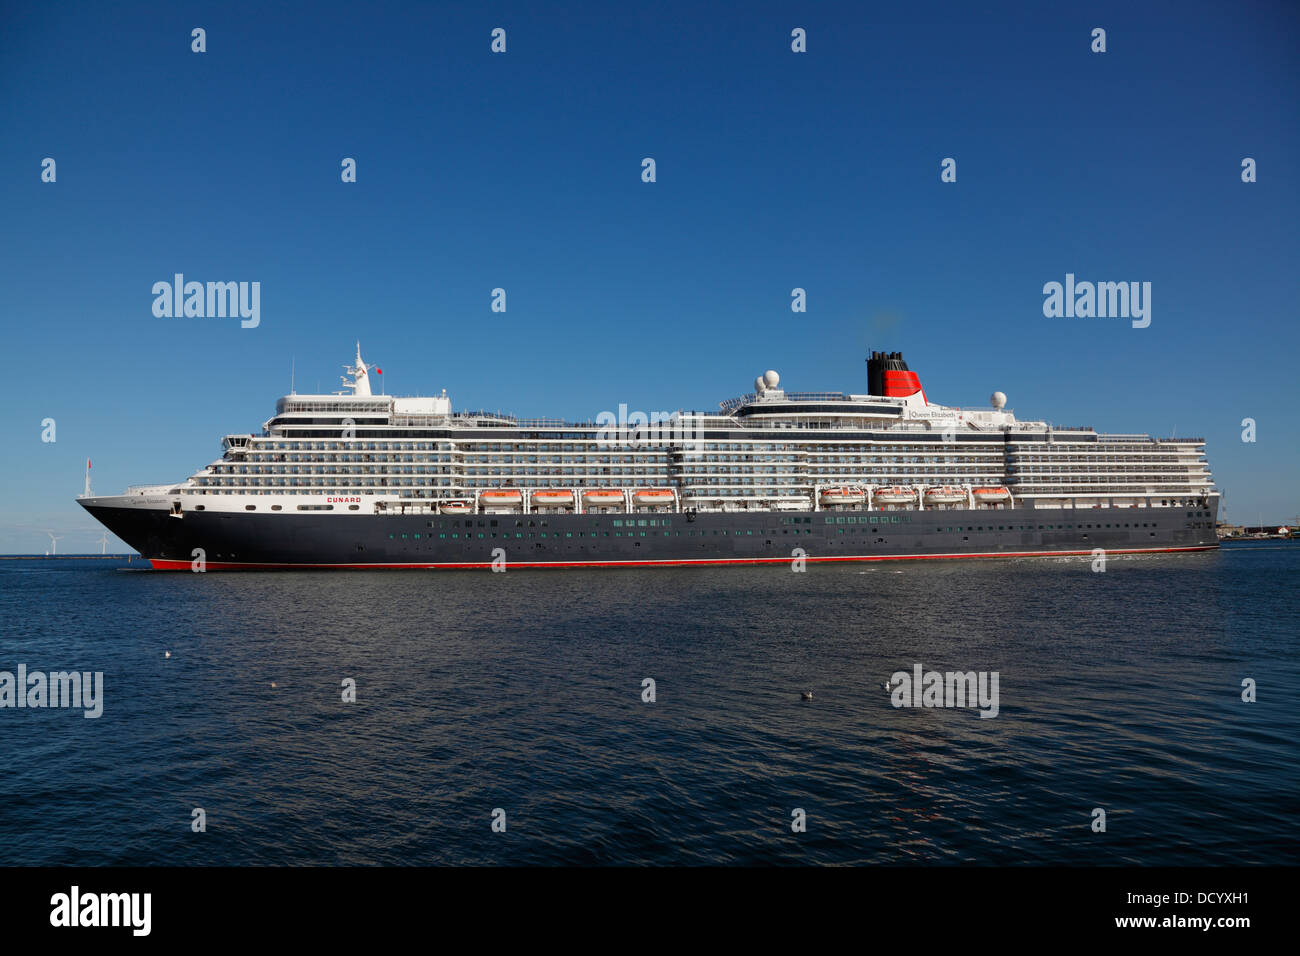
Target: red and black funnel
x=887, y=375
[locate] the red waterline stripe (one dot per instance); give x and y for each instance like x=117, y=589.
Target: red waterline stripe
x=161, y=564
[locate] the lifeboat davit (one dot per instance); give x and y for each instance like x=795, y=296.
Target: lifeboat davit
x=454, y=508
x=603, y=498
x=944, y=496
x=552, y=498
x=843, y=496
x=653, y=496
x=506, y=498
x=991, y=495
x=894, y=496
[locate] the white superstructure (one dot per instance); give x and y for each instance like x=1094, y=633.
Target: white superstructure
x=356, y=452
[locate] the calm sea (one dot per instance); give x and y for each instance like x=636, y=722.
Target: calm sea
x=522, y=692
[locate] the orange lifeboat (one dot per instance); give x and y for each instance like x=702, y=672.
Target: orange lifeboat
x=603, y=498
x=944, y=496
x=455, y=508
x=505, y=498
x=894, y=496
x=655, y=497
x=552, y=498
x=991, y=495
x=843, y=496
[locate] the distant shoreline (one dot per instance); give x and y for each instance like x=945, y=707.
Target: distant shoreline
x=66, y=557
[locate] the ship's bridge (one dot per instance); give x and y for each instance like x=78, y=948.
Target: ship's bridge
x=359, y=400
x=333, y=404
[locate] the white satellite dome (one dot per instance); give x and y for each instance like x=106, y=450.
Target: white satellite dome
x=771, y=379
x=998, y=399
x=758, y=384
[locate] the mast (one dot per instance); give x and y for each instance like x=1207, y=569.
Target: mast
x=360, y=383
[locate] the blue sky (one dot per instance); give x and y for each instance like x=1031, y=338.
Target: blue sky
x=522, y=170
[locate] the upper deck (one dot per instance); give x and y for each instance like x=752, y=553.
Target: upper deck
x=767, y=449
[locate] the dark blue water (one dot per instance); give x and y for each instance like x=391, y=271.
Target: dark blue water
x=522, y=691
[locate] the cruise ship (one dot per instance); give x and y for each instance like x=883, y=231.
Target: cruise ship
x=359, y=480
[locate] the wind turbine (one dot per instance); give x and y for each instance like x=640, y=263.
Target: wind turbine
x=103, y=544
x=54, y=541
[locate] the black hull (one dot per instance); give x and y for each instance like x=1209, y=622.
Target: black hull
x=271, y=541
